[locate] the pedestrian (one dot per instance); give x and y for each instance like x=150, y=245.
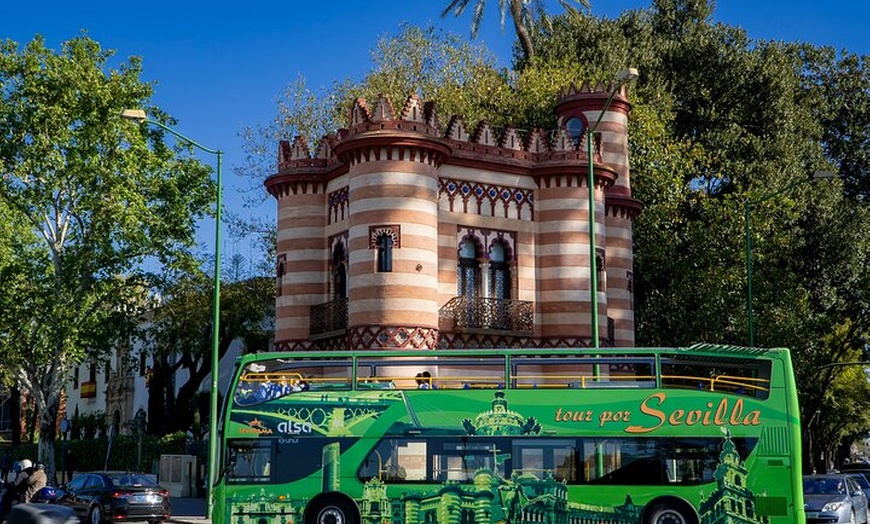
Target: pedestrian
x=9, y=494
x=5, y=465
x=69, y=464
x=25, y=468
x=35, y=482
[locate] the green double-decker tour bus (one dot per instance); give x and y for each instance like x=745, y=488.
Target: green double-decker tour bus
x=689, y=435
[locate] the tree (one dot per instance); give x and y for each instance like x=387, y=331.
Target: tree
x=524, y=13
x=180, y=335
x=93, y=199
x=461, y=78
x=719, y=119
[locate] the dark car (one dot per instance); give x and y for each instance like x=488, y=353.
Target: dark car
x=856, y=467
x=834, y=498
x=102, y=497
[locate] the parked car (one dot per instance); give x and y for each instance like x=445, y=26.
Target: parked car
x=834, y=498
x=40, y=514
x=101, y=497
x=856, y=467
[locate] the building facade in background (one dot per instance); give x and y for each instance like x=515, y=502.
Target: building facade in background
x=400, y=232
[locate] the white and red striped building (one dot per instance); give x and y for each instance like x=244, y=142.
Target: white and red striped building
x=399, y=232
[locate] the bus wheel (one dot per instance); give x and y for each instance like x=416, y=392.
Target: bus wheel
x=668, y=514
x=334, y=511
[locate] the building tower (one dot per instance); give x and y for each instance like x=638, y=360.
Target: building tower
x=614, y=207
x=401, y=233
x=393, y=225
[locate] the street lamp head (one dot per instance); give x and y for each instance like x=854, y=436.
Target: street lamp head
x=824, y=174
x=627, y=75
x=137, y=115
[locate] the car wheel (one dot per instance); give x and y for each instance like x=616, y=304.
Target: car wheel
x=97, y=515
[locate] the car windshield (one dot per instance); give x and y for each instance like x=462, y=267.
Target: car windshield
x=824, y=486
x=131, y=480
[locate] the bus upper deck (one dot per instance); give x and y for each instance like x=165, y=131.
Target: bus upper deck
x=742, y=372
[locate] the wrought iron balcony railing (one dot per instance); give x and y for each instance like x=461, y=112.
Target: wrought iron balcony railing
x=329, y=316
x=469, y=313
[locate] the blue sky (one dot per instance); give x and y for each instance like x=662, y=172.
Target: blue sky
x=220, y=66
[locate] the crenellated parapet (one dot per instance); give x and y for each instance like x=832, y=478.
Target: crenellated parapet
x=416, y=131
x=589, y=96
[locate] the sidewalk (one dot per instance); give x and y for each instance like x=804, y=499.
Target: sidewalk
x=189, y=511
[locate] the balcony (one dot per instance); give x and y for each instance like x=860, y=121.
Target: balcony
x=328, y=318
x=478, y=314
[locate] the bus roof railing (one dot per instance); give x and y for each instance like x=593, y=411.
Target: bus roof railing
x=696, y=350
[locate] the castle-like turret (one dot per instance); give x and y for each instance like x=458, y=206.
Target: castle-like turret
x=615, y=209
x=393, y=163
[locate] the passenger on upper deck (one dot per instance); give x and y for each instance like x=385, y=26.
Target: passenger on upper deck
x=424, y=380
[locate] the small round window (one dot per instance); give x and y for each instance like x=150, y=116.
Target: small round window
x=574, y=126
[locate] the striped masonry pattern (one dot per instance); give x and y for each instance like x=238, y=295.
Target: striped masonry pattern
x=403, y=192
x=429, y=186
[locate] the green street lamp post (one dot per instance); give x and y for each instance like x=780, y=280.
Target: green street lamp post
x=747, y=207
x=623, y=78
x=138, y=115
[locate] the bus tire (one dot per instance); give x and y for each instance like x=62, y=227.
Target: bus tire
x=332, y=510
x=670, y=512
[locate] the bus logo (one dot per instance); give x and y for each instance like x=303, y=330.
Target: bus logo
x=256, y=427
x=294, y=428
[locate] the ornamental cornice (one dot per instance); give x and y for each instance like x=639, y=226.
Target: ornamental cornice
x=622, y=206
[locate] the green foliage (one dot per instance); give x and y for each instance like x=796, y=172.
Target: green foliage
x=459, y=77
x=182, y=326
x=720, y=120
x=89, y=198
x=90, y=453
x=89, y=426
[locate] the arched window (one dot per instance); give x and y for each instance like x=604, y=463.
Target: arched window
x=575, y=128
x=385, y=253
x=499, y=285
x=468, y=269
x=339, y=272
x=499, y=271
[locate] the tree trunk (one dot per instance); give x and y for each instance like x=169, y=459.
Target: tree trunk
x=521, y=29
x=48, y=434
x=15, y=415
x=157, y=412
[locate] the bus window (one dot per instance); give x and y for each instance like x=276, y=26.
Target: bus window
x=582, y=373
x=459, y=459
x=249, y=461
x=692, y=461
x=544, y=457
x=443, y=373
x=396, y=460
x=623, y=461
x=656, y=461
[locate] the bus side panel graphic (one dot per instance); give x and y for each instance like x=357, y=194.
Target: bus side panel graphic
x=476, y=495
